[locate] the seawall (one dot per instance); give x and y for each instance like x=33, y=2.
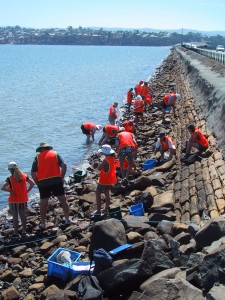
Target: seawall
x=206, y=78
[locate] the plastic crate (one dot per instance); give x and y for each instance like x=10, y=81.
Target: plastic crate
x=62, y=271
x=149, y=164
x=82, y=267
x=137, y=209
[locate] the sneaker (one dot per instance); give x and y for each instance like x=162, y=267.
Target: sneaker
x=124, y=181
x=96, y=213
x=42, y=226
x=69, y=222
x=104, y=211
x=15, y=236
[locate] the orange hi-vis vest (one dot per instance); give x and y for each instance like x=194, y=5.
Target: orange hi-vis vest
x=112, y=111
x=19, y=188
x=202, y=140
x=126, y=140
x=138, y=89
x=48, y=166
x=144, y=91
x=129, y=97
x=139, y=106
x=111, y=130
x=169, y=99
x=108, y=178
x=128, y=126
x=148, y=98
x=165, y=144
x=89, y=125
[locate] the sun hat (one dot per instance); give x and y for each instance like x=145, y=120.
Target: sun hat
x=138, y=97
x=178, y=96
x=12, y=165
x=98, y=127
x=106, y=149
x=44, y=145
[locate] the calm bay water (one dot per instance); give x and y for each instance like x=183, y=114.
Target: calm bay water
x=46, y=92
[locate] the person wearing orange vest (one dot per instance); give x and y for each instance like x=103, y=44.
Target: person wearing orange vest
x=164, y=144
x=127, y=148
x=107, y=178
x=145, y=90
x=169, y=100
x=113, y=114
x=197, y=140
x=129, y=126
x=130, y=97
x=16, y=186
x=138, y=88
x=139, y=109
x=48, y=172
x=109, y=131
x=89, y=130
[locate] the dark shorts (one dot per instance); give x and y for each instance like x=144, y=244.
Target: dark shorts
x=103, y=187
x=138, y=113
x=84, y=130
x=163, y=105
x=126, y=151
x=17, y=206
x=202, y=148
x=51, y=190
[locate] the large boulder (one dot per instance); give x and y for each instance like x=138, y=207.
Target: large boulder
x=213, y=230
x=107, y=234
x=171, y=289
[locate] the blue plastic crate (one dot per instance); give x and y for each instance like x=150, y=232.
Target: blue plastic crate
x=137, y=209
x=149, y=164
x=82, y=267
x=62, y=271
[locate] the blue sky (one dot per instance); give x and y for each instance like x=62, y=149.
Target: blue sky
x=204, y=15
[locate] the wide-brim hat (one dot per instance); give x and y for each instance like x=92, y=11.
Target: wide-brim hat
x=106, y=149
x=44, y=145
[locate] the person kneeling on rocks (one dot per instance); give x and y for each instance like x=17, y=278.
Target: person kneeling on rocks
x=164, y=144
x=107, y=178
x=197, y=140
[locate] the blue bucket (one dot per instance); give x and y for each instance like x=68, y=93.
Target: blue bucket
x=168, y=109
x=149, y=164
x=137, y=209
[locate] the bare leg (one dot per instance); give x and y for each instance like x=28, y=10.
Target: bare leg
x=43, y=209
x=121, y=159
x=23, y=218
x=15, y=221
x=65, y=206
x=107, y=199
x=88, y=138
x=98, y=199
x=130, y=166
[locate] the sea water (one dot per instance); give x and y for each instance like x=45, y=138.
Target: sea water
x=46, y=92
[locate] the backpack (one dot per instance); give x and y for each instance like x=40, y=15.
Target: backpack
x=103, y=261
x=89, y=289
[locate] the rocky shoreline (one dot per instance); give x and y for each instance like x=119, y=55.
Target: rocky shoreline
x=178, y=246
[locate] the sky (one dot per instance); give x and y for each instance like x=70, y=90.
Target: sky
x=202, y=15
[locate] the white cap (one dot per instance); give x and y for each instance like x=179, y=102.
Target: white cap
x=98, y=127
x=106, y=149
x=11, y=165
x=138, y=97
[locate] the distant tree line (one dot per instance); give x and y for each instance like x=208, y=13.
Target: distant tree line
x=89, y=36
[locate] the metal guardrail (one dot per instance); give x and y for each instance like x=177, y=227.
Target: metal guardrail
x=217, y=56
